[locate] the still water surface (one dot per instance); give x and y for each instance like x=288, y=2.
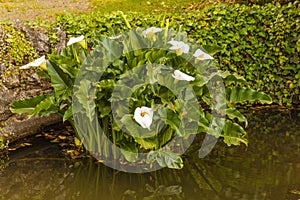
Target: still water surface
x=269, y=168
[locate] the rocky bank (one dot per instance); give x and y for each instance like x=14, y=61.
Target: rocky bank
x=18, y=84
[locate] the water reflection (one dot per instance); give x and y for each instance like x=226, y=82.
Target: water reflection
x=268, y=169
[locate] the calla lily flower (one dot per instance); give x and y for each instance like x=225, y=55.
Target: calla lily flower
x=150, y=32
x=40, y=62
x=79, y=40
x=179, y=46
x=200, y=55
x=182, y=76
x=143, y=116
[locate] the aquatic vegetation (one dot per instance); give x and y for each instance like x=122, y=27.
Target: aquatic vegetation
x=143, y=95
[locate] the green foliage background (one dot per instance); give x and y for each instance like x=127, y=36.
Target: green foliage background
x=259, y=42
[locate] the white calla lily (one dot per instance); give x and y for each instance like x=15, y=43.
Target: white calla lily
x=200, y=55
x=74, y=40
x=143, y=116
x=150, y=32
x=182, y=76
x=179, y=46
x=40, y=62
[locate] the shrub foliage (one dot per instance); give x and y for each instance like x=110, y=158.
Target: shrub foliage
x=259, y=42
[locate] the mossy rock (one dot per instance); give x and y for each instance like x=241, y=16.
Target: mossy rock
x=20, y=44
x=15, y=49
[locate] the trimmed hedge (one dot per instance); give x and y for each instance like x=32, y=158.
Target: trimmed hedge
x=262, y=2
x=261, y=43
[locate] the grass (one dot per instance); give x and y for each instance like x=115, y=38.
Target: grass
x=143, y=6
x=11, y=10
x=47, y=9
x=31, y=10
x=9, y=7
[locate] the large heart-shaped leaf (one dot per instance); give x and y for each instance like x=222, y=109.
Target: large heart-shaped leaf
x=85, y=96
x=60, y=81
x=243, y=94
x=45, y=107
x=165, y=158
x=28, y=105
x=233, y=134
x=233, y=113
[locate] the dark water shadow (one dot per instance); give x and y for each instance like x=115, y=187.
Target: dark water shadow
x=269, y=168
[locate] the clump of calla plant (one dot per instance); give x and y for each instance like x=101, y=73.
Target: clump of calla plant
x=139, y=91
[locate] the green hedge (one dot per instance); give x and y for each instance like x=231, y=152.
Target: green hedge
x=261, y=43
x=262, y=2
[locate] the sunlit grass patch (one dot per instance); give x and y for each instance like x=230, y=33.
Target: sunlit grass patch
x=12, y=1
x=142, y=5
x=31, y=10
x=19, y=5
x=8, y=6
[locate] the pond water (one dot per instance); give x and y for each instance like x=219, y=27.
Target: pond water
x=269, y=168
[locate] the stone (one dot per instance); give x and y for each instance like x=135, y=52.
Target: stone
x=18, y=84
x=17, y=126
x=62, y=36
x=21, y=126
x=37, y=37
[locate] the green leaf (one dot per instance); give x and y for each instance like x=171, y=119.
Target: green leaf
x=165, y=158
x=85, y=95
x=242, y=94
x=43, y=74
x=233, y=134
x=147, y=143
x=60, y=81
x=66, y=64
x=233, y=113
x=111, y=47
x=165, y=137
x=232, y=78
x=171, y=118
x=27, y=105
x=45, y=107
x=212, y=49
x=68, y=114
x=104, y=108
x=130, y=152
x=136, y=130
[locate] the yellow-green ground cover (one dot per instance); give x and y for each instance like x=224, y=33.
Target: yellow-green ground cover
x=11, y=10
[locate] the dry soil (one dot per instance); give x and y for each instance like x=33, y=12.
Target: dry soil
x=12, y=10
